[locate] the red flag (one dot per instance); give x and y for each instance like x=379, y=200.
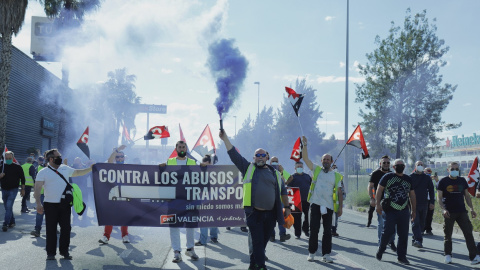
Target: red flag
x=297, y=150
x=5, y=151
x=358, y=141
x=205, y=144
x=126, y=135
x=157, y=132
x=182, y=138
x=473, y=176
x=295, y=99
x=83, y=143
x=294, y=199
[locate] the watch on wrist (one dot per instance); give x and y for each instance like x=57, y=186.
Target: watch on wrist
x=286, y=207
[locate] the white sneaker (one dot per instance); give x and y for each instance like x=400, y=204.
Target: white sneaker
x=311, y=257
x=326, y=258
x=125, y=239
x=104, y=240
x=191, y=254
x=476, y=260
x=177, y=257
x=448, y=259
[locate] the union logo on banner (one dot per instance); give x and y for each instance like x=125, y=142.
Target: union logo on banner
x=168, y=219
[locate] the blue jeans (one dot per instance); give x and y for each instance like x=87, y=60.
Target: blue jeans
x=8, y=197
x=39, y=217
x=261, y=225
x=204, y=234
x=381, y=222
x=401, y=219
x=419, y=223
x=282, y=230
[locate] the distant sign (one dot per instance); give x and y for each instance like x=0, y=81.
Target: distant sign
x=150, y=108
x=42, y=45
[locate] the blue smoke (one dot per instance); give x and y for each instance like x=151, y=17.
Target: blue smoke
x=229, y=68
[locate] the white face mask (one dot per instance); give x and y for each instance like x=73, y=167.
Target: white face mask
x=420, y=168
x=299, y=170
x=274, y=163
x=454, y=173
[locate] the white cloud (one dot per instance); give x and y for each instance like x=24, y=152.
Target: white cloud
x=166, y=71
x=329, y=18
x=467, y=104
x=177, y=60
x=342, y=64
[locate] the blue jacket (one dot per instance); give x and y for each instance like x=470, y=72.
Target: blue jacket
x=422, y=185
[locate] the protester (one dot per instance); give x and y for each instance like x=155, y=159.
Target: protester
x=118, y=157
x=282, y=231
x=30, y=174
x=181, y=159
x=53, y=179
x=335, y=215
x=423, y=187
x=452, y=193
x=11, y=177
x=397, y=189
x=39, y=217
x=302, y=181
x=263, y=194
x=325, y=199
x=427, y=229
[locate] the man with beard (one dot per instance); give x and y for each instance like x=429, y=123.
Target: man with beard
x=372, y=189
x=396, y=188
x=325, y=197
x=181, y=159
x=263, y=194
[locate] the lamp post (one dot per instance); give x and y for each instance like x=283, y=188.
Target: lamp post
x=258, y=83
x=346, y=100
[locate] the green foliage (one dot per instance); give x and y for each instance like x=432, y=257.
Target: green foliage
x=358, y=198
x=403, y=93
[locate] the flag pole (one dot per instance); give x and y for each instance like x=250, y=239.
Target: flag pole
x=339, y=154
x=301, y=129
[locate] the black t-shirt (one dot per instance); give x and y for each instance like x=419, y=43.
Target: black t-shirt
x=376, y=176
x=397, y=188
x=14, y=176
x=453, y=193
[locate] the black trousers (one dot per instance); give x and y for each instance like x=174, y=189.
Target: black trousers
x=57, y=213
x=315, y=217
x=370, y=214
x=428, y=221
x=298, y=225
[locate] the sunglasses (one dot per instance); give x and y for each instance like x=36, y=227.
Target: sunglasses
x=456, y=169
x=260, y=155
x=120, y=156
x=385, y=162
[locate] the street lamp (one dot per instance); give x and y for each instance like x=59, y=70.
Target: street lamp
x=258, y=83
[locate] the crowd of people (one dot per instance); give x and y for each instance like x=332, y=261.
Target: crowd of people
x=400, y=201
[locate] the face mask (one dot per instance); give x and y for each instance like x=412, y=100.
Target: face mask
x=429, y=174
x=9, y=161
x=182, y=154
x=120, y=162
x=274, y=163
x=299, y=170
x=399, y=168
x=420, y=168
x=58, y=161
x=454, y=173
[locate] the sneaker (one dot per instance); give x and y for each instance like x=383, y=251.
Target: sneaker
x=177, y=257
x=35, y=233
x=12, y=225
x=417, y=244
x=191, y=253
x=66, y=256
x=378, y=255
x=244, y=229
x=335, y=234
x=125, y=239
x=272, y=238
x=214, y=240
x=297, y=236
x=4, y=228
x=311, y=257
x=25, y=211
x=199, y=244
x=448, y=259
x=476, y=260
x=368, y=224
x=104, y=240
x=50, y=257
x=393, y=247
x=326, y=258
x=285, y=237
x=403, y=261
x=428, y=233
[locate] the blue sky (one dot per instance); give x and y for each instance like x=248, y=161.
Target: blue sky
x=164, y=43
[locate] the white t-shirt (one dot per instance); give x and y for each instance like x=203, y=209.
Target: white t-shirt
x=53, y=183
x=323, y=193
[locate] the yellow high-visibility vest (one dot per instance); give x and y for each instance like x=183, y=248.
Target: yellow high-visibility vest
x=247, y=185
x=26, y=172
x=173, y=161
x=338, y=178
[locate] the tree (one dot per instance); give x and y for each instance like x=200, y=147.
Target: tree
x=12, y=15
x=403, y=93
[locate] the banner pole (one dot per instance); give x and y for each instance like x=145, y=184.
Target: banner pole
x=339, y=155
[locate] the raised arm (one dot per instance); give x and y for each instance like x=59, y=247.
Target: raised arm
x=305, y=154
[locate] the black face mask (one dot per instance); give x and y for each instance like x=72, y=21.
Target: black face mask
x=399, y=168
x=181, y=154
x=57, y=161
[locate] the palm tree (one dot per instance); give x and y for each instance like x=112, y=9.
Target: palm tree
x=12, y=15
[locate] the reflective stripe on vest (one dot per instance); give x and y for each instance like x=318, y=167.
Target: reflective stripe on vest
x=338, y=178
x=247, y=185
x=173, y=161
x=26, y=172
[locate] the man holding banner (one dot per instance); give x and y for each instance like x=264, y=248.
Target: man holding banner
x=303, y=182
x=263, y=194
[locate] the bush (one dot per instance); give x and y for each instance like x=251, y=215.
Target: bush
x=358, y=198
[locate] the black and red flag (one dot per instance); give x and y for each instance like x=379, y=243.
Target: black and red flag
x=358, y=141
x=83, y=143
x=295, y=99
x=205, y=144
x=473, y=176
x=297, y=150
x=157, y=132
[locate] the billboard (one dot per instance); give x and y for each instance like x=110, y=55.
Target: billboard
x=42, y=45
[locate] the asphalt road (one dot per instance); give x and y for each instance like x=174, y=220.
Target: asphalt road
x=150, y=249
